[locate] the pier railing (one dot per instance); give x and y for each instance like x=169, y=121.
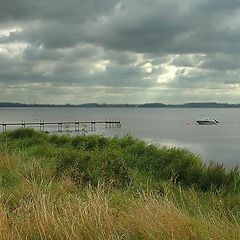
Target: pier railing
x=61, y=126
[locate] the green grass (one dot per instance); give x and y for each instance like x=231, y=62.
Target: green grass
x=94, y=158
x=94, y=187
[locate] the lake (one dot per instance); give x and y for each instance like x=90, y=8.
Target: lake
x=163, y=126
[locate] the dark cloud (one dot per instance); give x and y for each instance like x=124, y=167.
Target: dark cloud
x=222, y=62
x=170, y=27
x=61, y=10
x=166, y=50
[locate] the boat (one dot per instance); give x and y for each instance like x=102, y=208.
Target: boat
x=207, y=121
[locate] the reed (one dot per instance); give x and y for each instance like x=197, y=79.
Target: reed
x=93, y=215
x=87, y=154
x=92, y=187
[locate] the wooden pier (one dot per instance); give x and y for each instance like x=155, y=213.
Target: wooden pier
x=63, y=126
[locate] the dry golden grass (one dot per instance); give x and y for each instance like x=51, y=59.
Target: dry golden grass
x=154, y=220
x=161, y=219
x=91, y=216
x=41, y=207
x=9, y=162
x=43, y=217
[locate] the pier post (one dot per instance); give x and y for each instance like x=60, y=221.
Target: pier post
x=93, y=126
x=60, y=126
x=41, y=125
x=119, y=123
x=4, y=127
x=76, y=126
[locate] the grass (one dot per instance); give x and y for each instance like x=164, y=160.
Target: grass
x=93, y=187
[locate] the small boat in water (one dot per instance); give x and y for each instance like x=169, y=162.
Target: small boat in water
x=207, y=121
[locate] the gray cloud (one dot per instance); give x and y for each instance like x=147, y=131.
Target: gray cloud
x=84, y=50
x=221, y=62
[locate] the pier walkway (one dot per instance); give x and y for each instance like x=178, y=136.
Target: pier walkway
x=62, y=126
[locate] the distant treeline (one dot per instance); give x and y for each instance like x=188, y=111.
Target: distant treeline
x=145, y=105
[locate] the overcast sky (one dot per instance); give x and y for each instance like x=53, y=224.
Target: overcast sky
x=113, y=51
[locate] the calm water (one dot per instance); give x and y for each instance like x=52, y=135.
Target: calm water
x=164, y=126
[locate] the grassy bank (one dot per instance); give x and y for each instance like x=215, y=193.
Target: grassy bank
x=93, y=187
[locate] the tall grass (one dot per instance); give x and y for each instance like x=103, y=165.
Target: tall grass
x=96, y=158
x=93, y=215
x=92, y=187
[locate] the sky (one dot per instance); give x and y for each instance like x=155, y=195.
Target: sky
x=119, y=51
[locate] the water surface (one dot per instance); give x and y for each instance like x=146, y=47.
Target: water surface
x=165, y=126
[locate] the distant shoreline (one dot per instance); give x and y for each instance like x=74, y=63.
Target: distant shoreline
x=145, y=105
